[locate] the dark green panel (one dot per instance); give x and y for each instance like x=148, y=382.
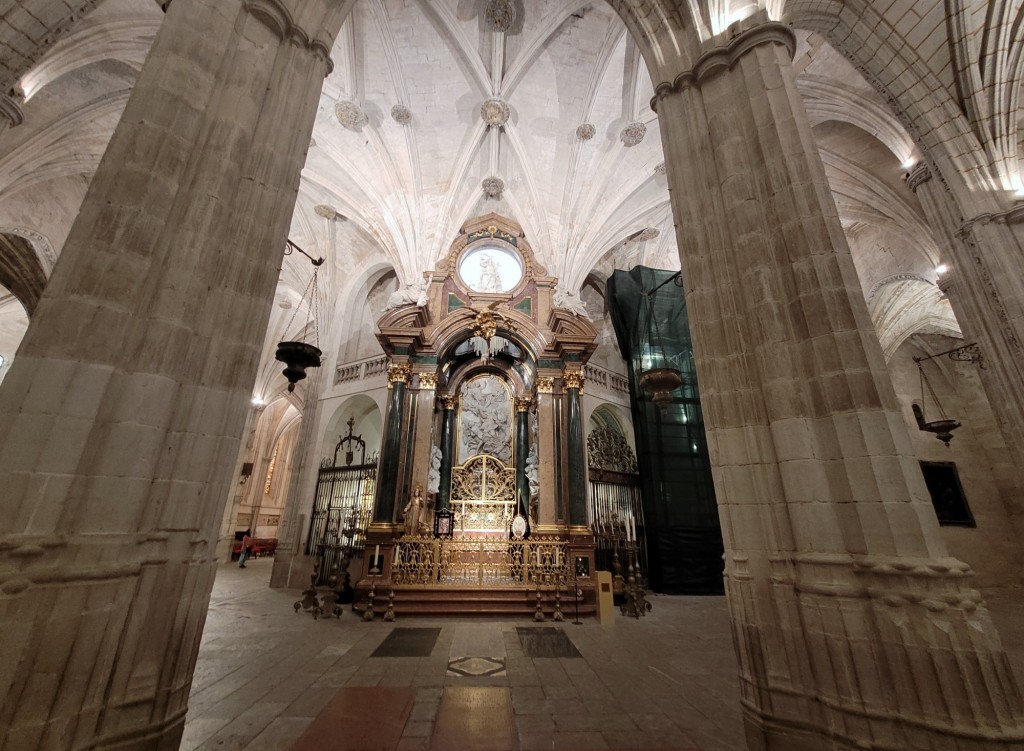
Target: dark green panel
x=454, y=302
x=684, y=535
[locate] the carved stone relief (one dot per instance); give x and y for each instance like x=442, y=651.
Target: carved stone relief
x=485, y=420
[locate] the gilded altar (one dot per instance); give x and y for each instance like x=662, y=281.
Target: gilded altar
x=483, y=495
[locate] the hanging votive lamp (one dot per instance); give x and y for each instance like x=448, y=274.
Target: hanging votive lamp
x=660, y=383
x=943, y=427
x=299, y=355
x=657, y=382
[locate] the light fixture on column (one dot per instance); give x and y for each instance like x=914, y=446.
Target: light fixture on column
x=655, y=376
x=943, y=427
x=298, y=355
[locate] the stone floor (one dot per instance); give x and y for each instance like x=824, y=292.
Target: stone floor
x=268, y=678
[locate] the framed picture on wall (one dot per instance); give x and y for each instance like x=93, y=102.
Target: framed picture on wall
x=947, y=494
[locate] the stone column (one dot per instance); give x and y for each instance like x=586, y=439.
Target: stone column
x=444, y=495
x=292, y=566
x=522, y=453
x=391, y=445
x=971, y=289
x=576, y=448
x=853, y=626
x=121, y=416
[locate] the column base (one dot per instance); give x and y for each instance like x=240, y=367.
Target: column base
x=772, y=734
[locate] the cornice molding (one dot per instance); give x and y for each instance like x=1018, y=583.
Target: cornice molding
x=275, y=16
x=722, y=58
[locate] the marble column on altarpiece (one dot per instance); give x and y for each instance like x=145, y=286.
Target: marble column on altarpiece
x=121, y=417
x=576, y=449
x=852, y=622
x=444, y=495
x=522, y=445
x=391, y=445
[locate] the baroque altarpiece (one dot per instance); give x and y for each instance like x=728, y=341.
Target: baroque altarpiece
x=482, y=479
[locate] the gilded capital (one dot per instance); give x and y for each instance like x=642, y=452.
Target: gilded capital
x=399, y=373
x=573, y=379
x=523, y=403
x=545, y=385
x=428, y=381
x=447, y=401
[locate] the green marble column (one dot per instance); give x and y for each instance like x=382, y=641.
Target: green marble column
x=522, y=452
x=391, y=446
x=577, y=456
x=444, y=493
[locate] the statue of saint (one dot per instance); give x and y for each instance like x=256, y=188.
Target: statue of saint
x=413, y=509
x=490, y=279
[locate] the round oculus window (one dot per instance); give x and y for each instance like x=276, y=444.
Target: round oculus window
x=491, y=268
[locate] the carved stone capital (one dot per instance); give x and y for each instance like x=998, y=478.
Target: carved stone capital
x=918, y=176
x=545, y=385
x=1013, y=215
x=275, y=16
x=428, y=381
x=399, y=373
x=10, y=111
x=723, y=58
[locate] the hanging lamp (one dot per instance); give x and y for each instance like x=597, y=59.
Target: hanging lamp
x=299, y=355
x=658, y=382
x=943, y=427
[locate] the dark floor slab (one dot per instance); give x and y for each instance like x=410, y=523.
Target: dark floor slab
x=475, y=719
x=360, y=719
x=546, y=642
x=408, y=642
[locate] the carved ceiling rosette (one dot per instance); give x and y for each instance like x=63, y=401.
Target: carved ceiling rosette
x=401, y=114
x=500, y=15
x=633, y=134
x=586, y=131
x=493, y=187
x=495, y=112
x=350, y=115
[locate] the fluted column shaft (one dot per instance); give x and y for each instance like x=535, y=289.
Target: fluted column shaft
x=851, y=621
x=121, y=417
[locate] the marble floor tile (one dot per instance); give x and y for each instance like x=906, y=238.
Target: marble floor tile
x=267, y=675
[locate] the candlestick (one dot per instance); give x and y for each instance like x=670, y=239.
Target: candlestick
x=376, y=554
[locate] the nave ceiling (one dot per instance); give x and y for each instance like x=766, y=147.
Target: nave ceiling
x=385, y=190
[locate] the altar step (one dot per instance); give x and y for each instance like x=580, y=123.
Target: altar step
x=478, y=601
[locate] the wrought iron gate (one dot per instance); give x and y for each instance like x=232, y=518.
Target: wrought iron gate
x=343, y=506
